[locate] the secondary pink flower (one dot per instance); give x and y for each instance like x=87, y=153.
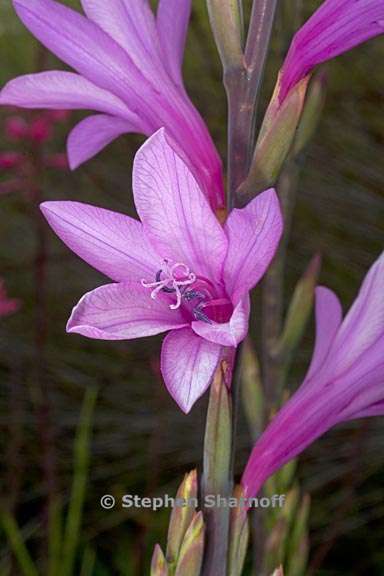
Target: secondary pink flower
x=128, y=65
x=178, y=269
x=10, y=160
x=345, y=379
x=337, y=26
x=7, y=305
x=16, y=128
x=40, y=129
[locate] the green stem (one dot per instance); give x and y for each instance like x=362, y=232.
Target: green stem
x=15, y=538
x=242, y=83
x=79, y=483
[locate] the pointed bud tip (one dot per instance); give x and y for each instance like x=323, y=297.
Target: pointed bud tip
x=313, y=268
x=159, y=564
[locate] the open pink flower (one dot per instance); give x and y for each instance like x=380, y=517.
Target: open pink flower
x=336, y=27
x=7, y=305
x=178, y=269
x=345, y=379
x=128, y=65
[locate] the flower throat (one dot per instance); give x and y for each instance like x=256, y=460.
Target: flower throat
x=196, y=294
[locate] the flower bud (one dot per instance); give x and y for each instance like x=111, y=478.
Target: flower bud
x=227, y=22
x=192, y=549
x=299, y=309
x=251, y=389
x=275, y=141
x=314, y=104
x=181, y=516
x=159, y=565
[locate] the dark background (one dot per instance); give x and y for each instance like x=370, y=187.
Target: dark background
x=142, y=443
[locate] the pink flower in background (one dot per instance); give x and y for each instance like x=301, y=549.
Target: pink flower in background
x=345, y=379
x=16, y=128
x=178, y=269
x=128, y=65
x=7, y=305
x=10, y=160
x=31, y=133
x=337, y=26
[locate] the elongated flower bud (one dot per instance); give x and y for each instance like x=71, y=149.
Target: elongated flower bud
x=300, y=309
x=192, y=549
x=181, y=516
x=217, y=456
x=251, y=389
x=159, y=565
x=226, y=21
x=275, y=141
x=313, y=108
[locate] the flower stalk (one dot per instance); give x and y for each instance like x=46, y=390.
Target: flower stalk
x=242, y=80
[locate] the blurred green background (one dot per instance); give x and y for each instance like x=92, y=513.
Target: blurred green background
x=142, y=443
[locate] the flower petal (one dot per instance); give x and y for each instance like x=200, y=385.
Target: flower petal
x=231, y=333
x=303, y=419
x=122, y=312
x=83, y=45
x=374, y=410
x=337, y=26
x=188, y=364
x=328, y=320
x=62, y=90
x=93, y=134
x=131, y=23
x=172, y=23
x=110, y=242
x=363, y=326
x=253, y=233
x=176, y=215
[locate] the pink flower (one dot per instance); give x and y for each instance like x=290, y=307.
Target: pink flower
x=40, y=130
x=178, y=269
x=345, y=379
x=128, y=65
x=10, y=160
x=16, y=128
x=337, y=26
x=7, y=305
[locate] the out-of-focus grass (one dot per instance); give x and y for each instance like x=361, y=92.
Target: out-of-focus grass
x=142, y=443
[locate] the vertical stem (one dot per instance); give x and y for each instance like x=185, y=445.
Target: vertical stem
x=242, y=84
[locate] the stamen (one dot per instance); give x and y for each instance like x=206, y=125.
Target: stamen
x=172, y=283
